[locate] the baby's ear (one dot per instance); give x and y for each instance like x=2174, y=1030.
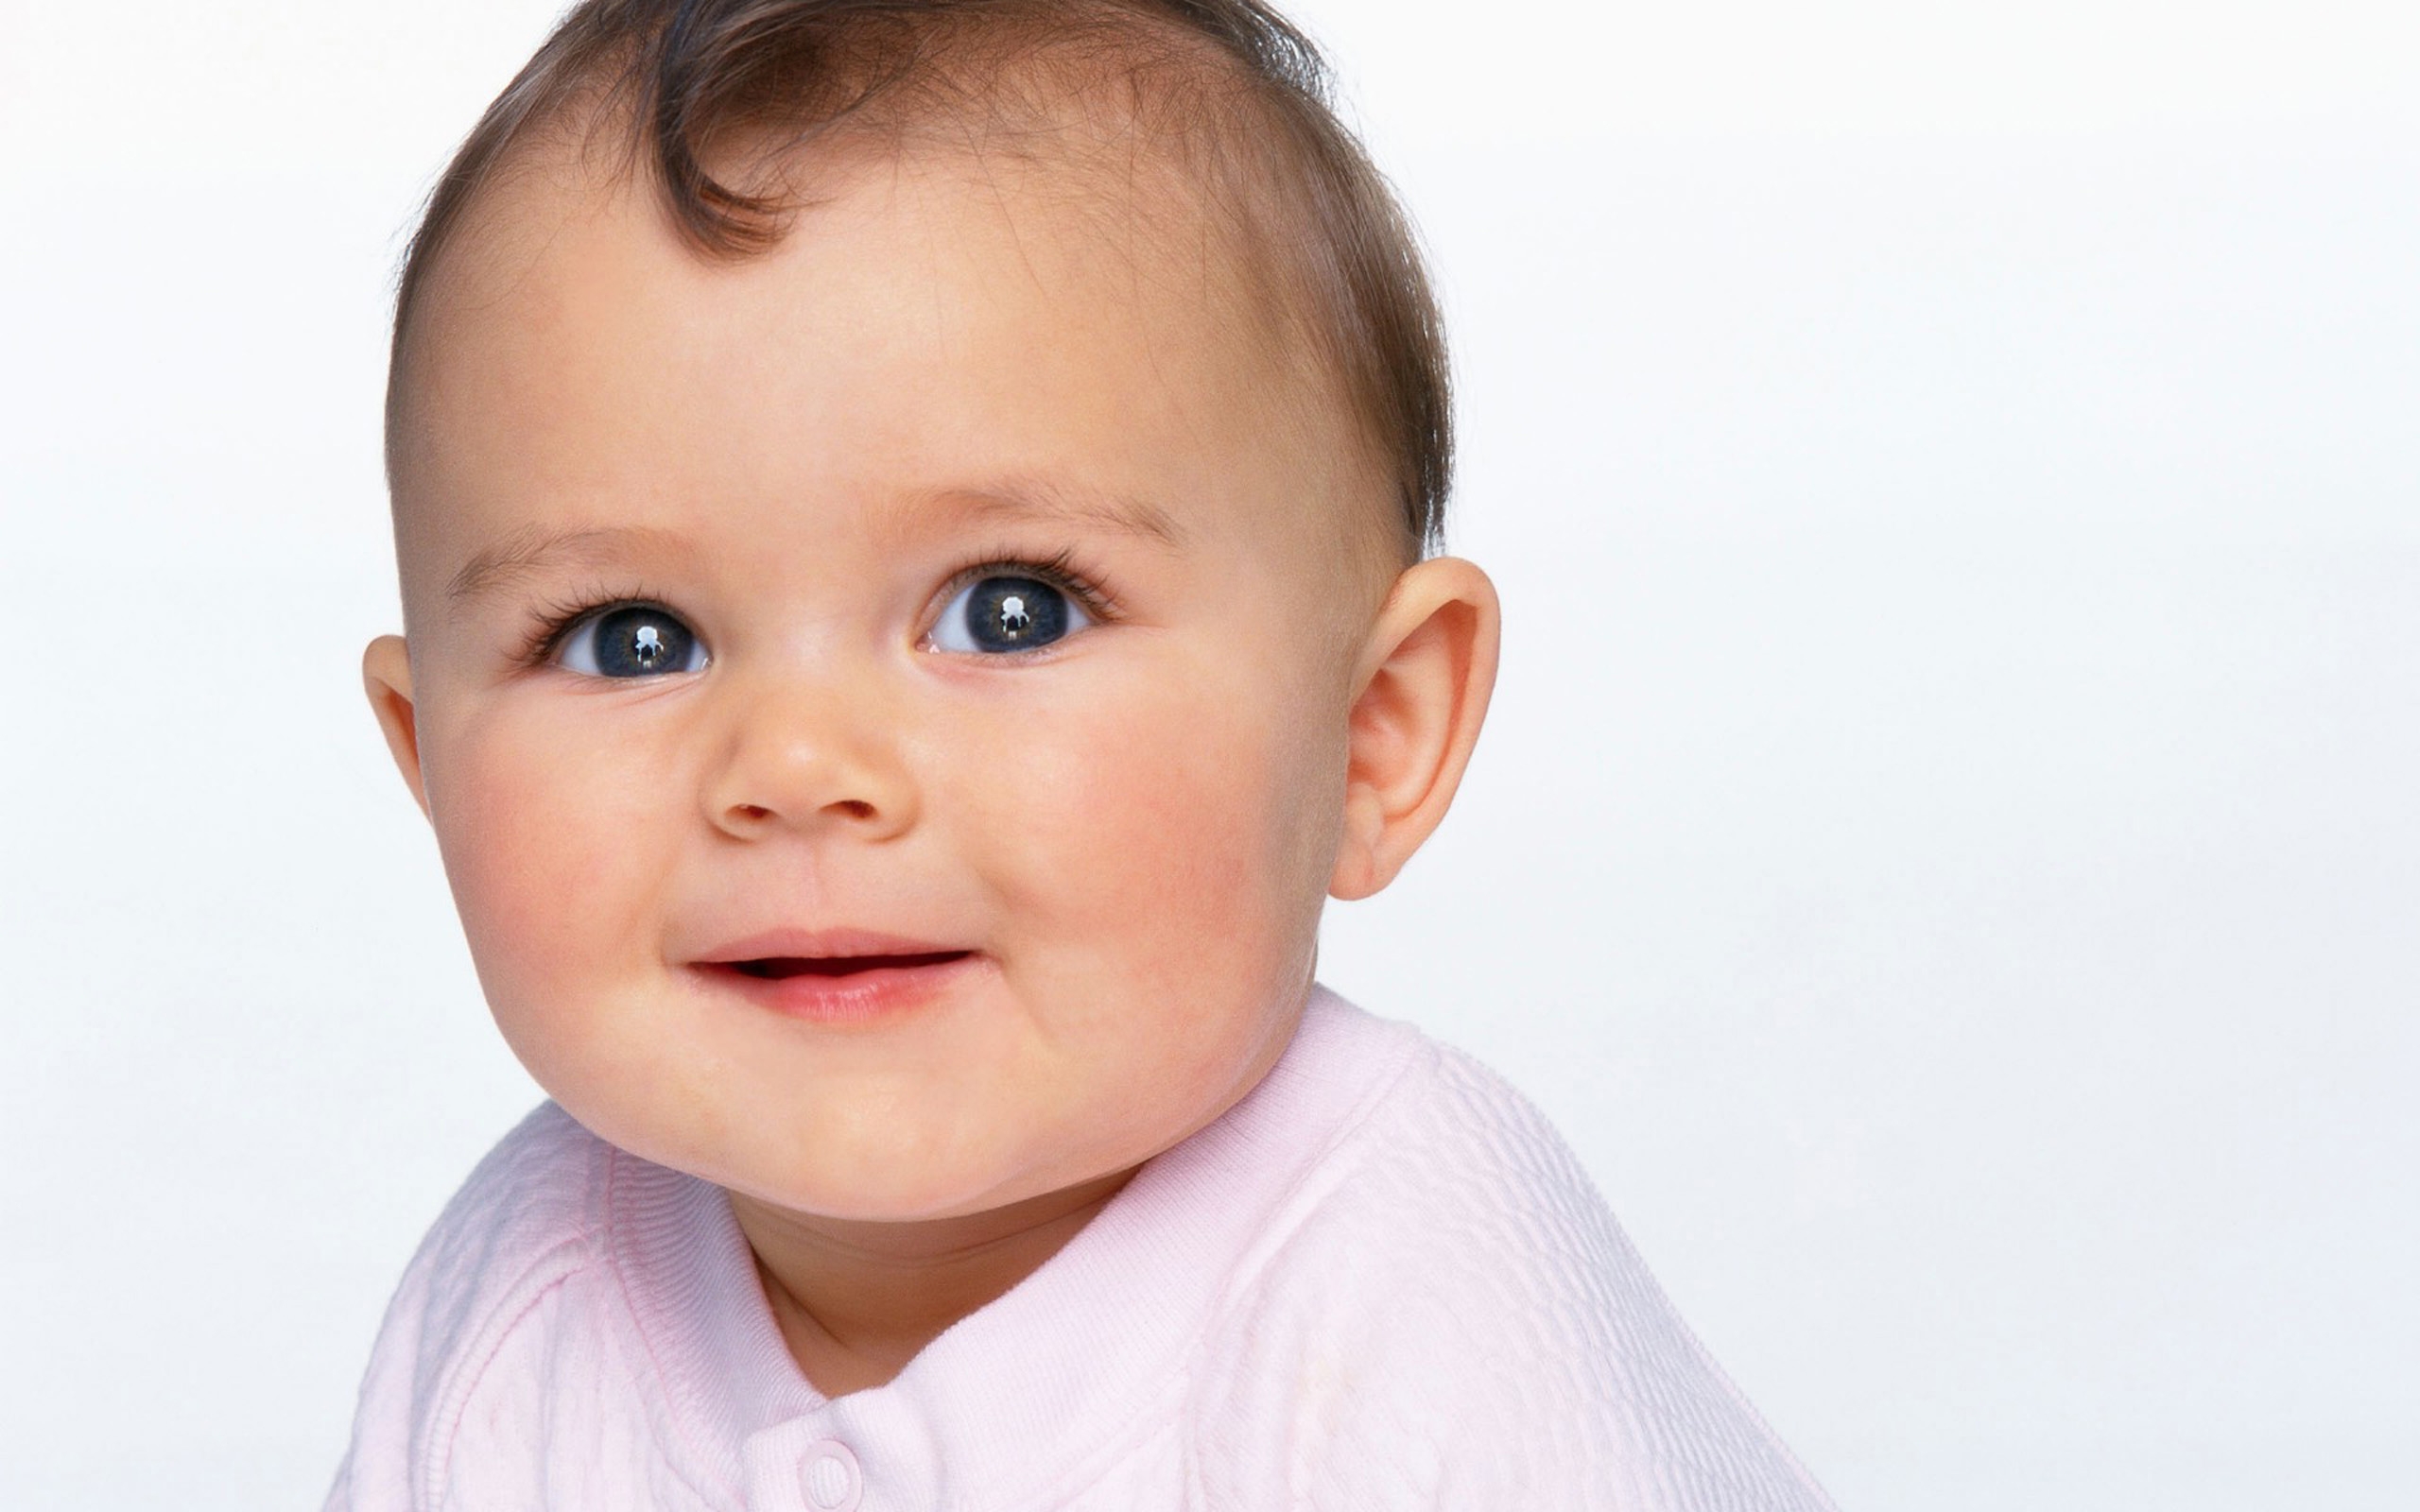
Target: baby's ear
x=386, y=677
x=1421, y=692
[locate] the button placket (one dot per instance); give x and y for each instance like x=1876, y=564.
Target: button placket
x=830, y=1478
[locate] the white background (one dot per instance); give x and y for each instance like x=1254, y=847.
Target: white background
x=1946, y=849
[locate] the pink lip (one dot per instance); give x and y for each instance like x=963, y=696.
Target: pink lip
x=835, y=976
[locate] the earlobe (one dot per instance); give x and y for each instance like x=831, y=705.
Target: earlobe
x=387, y=677
x=1427, y=670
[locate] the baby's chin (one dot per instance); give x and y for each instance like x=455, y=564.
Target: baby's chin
x=969, y=1210
x=835, y=1175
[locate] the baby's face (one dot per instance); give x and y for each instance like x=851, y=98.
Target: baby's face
x=882, y=703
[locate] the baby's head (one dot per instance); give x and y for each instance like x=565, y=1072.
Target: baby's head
x=911, y=523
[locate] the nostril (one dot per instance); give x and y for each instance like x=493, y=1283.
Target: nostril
x=856, y=808
x=750, y=811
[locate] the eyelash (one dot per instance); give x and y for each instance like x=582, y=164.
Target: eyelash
x=1060, y=570
x=552, y=622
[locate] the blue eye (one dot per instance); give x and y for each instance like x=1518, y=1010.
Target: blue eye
x=632, y=641
x=1004, y=612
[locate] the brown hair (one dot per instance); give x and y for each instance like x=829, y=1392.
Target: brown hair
x=1240, y=89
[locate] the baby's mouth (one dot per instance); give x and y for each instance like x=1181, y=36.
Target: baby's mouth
x=776, y=967
x=837, y=976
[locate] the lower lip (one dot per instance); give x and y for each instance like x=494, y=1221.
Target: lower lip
x=860, y=997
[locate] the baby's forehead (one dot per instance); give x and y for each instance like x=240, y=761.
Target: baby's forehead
x=1069, y=232
x=1077, y=195
x=1068, y=330
x=1179, y=160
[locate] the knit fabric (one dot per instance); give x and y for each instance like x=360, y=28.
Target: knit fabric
x=1381, y=1281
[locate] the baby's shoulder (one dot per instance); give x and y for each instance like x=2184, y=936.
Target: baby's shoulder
x=546, y=1173
x=492, y=1287
x=1456, y=1189
x=531, y=1212
x=1452, y=1313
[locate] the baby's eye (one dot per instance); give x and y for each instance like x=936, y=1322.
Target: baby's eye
x=631, y=641
x=1004, y=612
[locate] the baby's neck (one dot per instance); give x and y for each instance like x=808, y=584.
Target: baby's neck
x=857, y=1301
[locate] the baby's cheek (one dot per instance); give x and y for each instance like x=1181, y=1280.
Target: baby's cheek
x=547, y=863
x=1180, y=840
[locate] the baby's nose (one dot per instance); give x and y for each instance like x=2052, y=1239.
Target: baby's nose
x=817, y=756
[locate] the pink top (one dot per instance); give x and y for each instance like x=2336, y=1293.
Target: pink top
x=1380, y=1280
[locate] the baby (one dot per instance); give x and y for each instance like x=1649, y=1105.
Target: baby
x=915, y=525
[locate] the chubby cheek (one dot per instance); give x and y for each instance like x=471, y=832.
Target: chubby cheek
x=1168, y=870
x=551, y=861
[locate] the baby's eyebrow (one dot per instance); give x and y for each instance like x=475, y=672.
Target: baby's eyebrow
x=1057, y=502
x=532, y=549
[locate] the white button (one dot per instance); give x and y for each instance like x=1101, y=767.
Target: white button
x=830, y=1477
